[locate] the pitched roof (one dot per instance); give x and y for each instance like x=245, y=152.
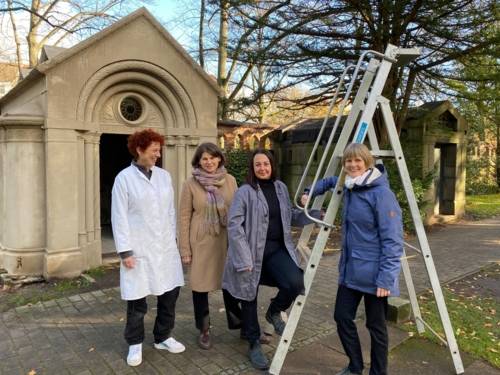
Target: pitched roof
x=236, y=124
x=307, y=130
x=49, y=52
x=426, y=108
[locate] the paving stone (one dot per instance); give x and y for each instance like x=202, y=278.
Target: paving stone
x=61, y=332
x=75, y=298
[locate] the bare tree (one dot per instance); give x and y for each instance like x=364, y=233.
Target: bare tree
x=55, y=21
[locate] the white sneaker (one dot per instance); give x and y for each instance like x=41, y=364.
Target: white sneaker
x=134, y=357
x=172, y=345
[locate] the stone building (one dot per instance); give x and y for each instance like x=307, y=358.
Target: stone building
x=433, y=141
x=434, y=138
x=243, y=135
x=63, y=132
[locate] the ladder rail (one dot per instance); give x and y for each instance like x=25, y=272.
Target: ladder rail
x=421, y=235
x=351, y=120
x=320, y=134
x=382, y=73
x=357, y=69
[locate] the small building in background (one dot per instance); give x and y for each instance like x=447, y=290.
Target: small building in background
x=239, y=135
x=433, y=141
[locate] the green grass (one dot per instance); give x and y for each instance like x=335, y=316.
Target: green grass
x=482, y=206
x=55, y=289
x=475, y=321
x=96, y=272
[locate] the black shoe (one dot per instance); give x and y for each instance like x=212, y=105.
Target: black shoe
x=276, y=321
x=346, y=371
x=257, y=358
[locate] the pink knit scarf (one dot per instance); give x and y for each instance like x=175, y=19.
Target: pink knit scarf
x=215, y=212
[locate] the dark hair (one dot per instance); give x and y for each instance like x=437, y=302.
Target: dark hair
x=211, y=149
x=143, y=140
x=252, y=179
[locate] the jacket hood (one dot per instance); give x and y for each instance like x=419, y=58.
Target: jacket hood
x=377, y=176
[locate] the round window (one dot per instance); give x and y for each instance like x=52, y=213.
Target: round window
x=131, y=109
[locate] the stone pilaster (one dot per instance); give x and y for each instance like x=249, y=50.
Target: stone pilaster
x=63, y=256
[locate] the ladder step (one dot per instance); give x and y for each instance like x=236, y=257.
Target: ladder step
x=383, y=153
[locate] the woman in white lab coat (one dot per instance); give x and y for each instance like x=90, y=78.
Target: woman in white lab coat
x=143, y=220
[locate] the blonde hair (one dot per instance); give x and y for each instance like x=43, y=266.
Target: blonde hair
x=354, y=150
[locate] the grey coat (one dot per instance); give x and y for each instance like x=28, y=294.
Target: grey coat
x=247, y=229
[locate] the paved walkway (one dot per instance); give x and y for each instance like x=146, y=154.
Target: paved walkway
x=83, y=334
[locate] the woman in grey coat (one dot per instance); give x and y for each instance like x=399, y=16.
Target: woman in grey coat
x=261, y=251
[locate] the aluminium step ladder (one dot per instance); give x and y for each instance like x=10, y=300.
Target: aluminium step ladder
x=368, y=78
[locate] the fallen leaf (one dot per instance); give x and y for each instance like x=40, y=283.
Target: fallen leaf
x=91, y=350
x=32, y=372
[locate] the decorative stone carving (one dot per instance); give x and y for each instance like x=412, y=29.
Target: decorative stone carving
x=169, y=86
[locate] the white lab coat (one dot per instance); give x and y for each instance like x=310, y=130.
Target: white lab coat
x=143, y=220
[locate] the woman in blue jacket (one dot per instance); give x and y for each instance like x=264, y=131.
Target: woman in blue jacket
x=372, y=244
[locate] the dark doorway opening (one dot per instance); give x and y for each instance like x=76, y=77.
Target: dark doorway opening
x=447, y=178
x=113, y=157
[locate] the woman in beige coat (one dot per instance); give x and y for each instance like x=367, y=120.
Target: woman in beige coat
x=205, y=201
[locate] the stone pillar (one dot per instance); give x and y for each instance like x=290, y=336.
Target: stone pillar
x=82, y=227
x=2, y=193
x=63, y=254
x=89, y=188
x=94, y=251
x=23, y=196
x=177, y=154
x=460, y=182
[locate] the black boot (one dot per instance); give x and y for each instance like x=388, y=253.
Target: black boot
x=257, y=358
x=276, y=321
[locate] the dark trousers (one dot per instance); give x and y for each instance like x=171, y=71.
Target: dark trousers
x=201, y=310
x=233, y=310
x=346, y=304
x=279, y=269
x=164, y=322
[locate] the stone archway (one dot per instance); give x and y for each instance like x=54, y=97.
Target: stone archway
x=155, y=100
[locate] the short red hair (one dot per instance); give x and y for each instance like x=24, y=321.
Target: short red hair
x=143, y=140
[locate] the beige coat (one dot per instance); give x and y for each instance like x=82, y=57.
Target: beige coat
x=208, y=252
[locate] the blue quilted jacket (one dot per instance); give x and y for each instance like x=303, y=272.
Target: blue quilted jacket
x=372, y=234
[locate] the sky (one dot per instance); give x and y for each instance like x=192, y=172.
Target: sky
x=179, y=17
x=176, y=15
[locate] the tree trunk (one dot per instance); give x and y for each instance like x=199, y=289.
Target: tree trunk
x=403, y=111
x=497, y=146
x=16, y=40
x=201, y=49
x=33, y=47
x=221, y=73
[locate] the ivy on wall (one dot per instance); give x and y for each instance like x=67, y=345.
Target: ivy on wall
x=237, y=164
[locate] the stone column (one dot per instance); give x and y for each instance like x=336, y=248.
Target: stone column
x=63, y=256
x=89, y=188
x=94, y=253
x=23, y=228
x=82, y=226
x=2, y=193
